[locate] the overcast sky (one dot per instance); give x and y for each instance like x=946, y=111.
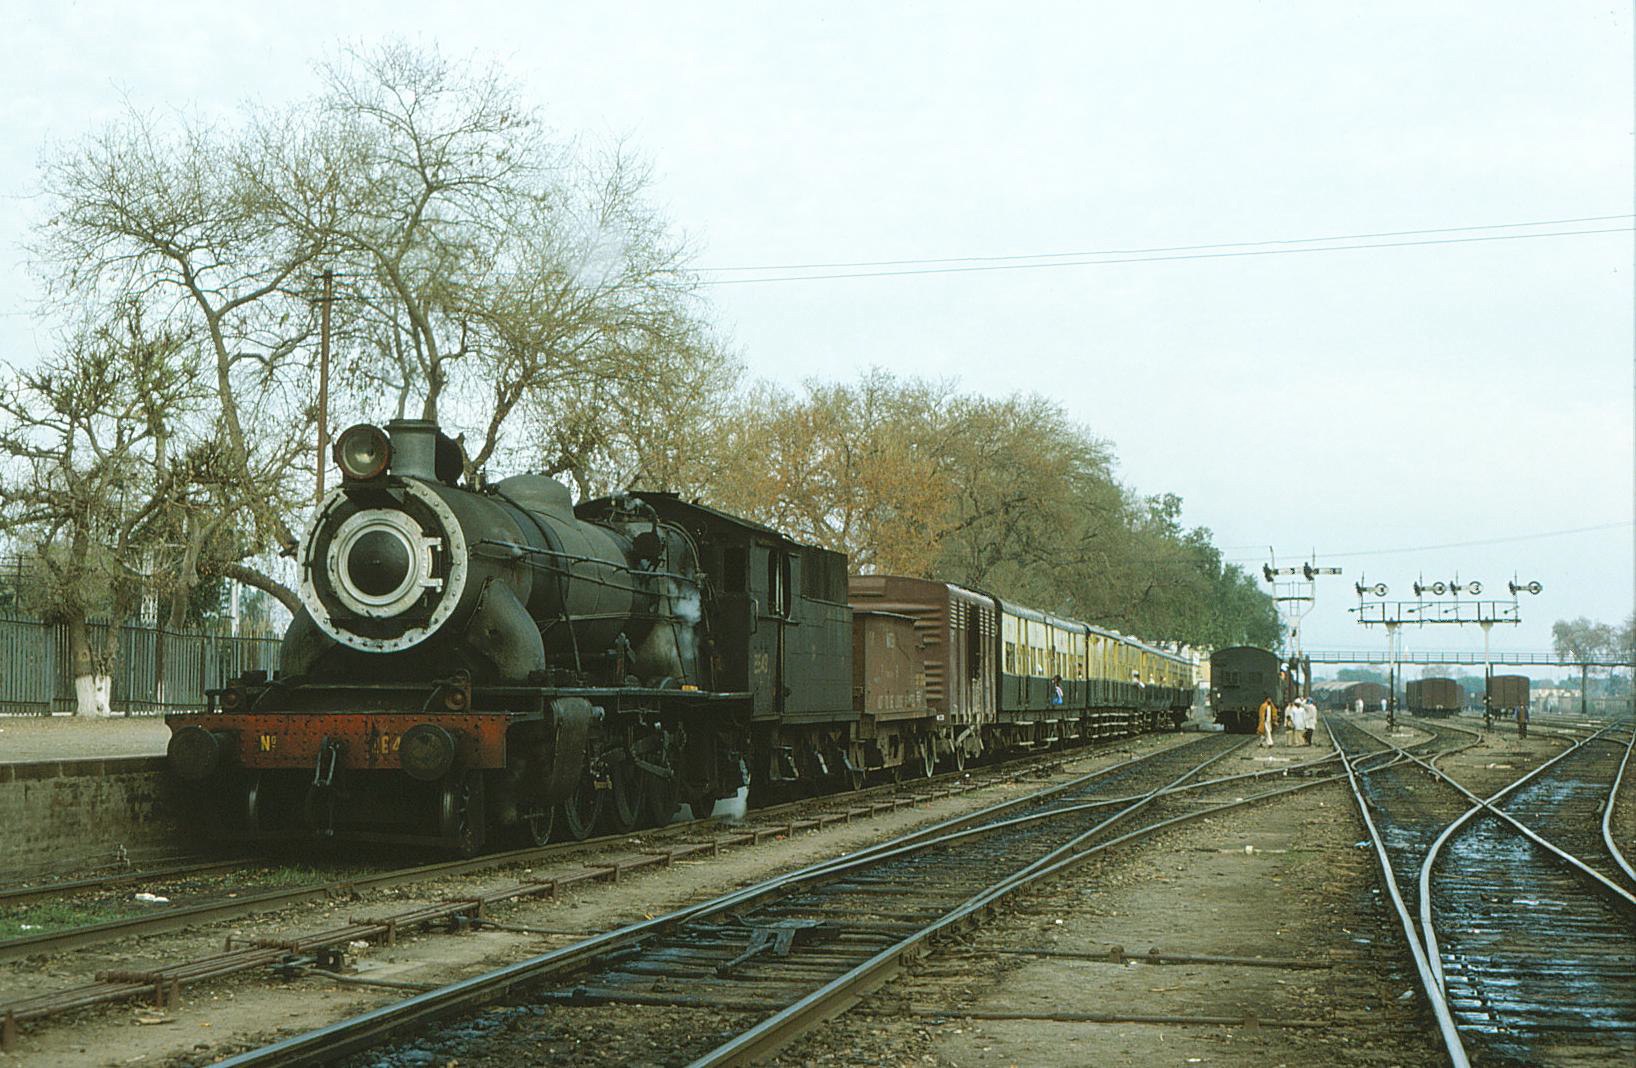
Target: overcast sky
x=1347, y=401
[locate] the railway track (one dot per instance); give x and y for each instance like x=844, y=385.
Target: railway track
x=17, y=895
x=249, y=901
x=548, y=870
x=784, y=955
x=1524, y=936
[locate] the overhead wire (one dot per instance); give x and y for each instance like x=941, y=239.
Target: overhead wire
x=1463, y=544
x=1165, y=248
x=1155, y=259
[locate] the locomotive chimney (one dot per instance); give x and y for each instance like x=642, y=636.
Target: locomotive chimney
x=414, y=448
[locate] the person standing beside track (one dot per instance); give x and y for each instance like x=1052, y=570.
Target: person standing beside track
x=1267, y=721
x=1522, y=721
x=1292, y=712
x=1309, y=719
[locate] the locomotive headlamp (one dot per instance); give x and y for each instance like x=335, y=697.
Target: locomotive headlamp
x=363, y=452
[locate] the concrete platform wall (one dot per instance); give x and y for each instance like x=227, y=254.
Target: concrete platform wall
x=70, y=814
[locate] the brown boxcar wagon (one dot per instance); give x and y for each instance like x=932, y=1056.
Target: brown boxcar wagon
x=950, y=643
x=1508, y=692
x=1345, y=696
x=1434, y=697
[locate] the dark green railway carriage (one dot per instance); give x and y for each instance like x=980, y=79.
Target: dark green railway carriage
x=1241, y=677
x=1112, y=684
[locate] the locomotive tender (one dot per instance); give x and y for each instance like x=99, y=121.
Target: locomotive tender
x=491, y=658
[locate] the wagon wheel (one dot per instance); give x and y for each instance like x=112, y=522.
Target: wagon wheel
x=460, y=811
x=928, y=759
x=842, y=774
x=580, y=811
x=959, y=758
x=626, y=802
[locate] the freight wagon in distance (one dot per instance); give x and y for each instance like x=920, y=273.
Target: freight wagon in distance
x=1434, y=697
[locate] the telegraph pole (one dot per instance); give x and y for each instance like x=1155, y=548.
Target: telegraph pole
x=323, y=379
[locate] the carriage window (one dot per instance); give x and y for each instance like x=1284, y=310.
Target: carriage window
x=823, y=575
x=1010, y=658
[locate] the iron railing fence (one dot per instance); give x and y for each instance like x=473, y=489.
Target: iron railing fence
x=37, y=672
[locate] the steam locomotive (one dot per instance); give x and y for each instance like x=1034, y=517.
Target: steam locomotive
x=490, y=659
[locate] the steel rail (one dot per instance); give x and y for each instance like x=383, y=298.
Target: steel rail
x=258, y=955
x=373, y=1027
x=182, y=916
x=1488, y=806
x=1607, y=814
x=1452, y=1043
x=847, y=990
x=16, y=894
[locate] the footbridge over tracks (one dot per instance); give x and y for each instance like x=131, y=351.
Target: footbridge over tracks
x=1499, y=656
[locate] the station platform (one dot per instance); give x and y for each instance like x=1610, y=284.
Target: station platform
x=27, y=739
x=81, y=793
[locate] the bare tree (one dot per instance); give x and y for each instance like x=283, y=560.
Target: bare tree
x=95, y=479
x=485, y=264
x=480, y=266
x=191, y=223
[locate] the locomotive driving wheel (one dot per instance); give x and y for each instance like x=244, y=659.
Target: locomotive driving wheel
x=460, y=811
x=627, y=802
x=659, y=795
x=581, y=811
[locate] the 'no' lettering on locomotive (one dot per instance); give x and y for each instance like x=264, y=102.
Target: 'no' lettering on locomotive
x=474, y=661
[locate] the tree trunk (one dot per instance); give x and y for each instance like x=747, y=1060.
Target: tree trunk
x=93, y=685
x=170, y=622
